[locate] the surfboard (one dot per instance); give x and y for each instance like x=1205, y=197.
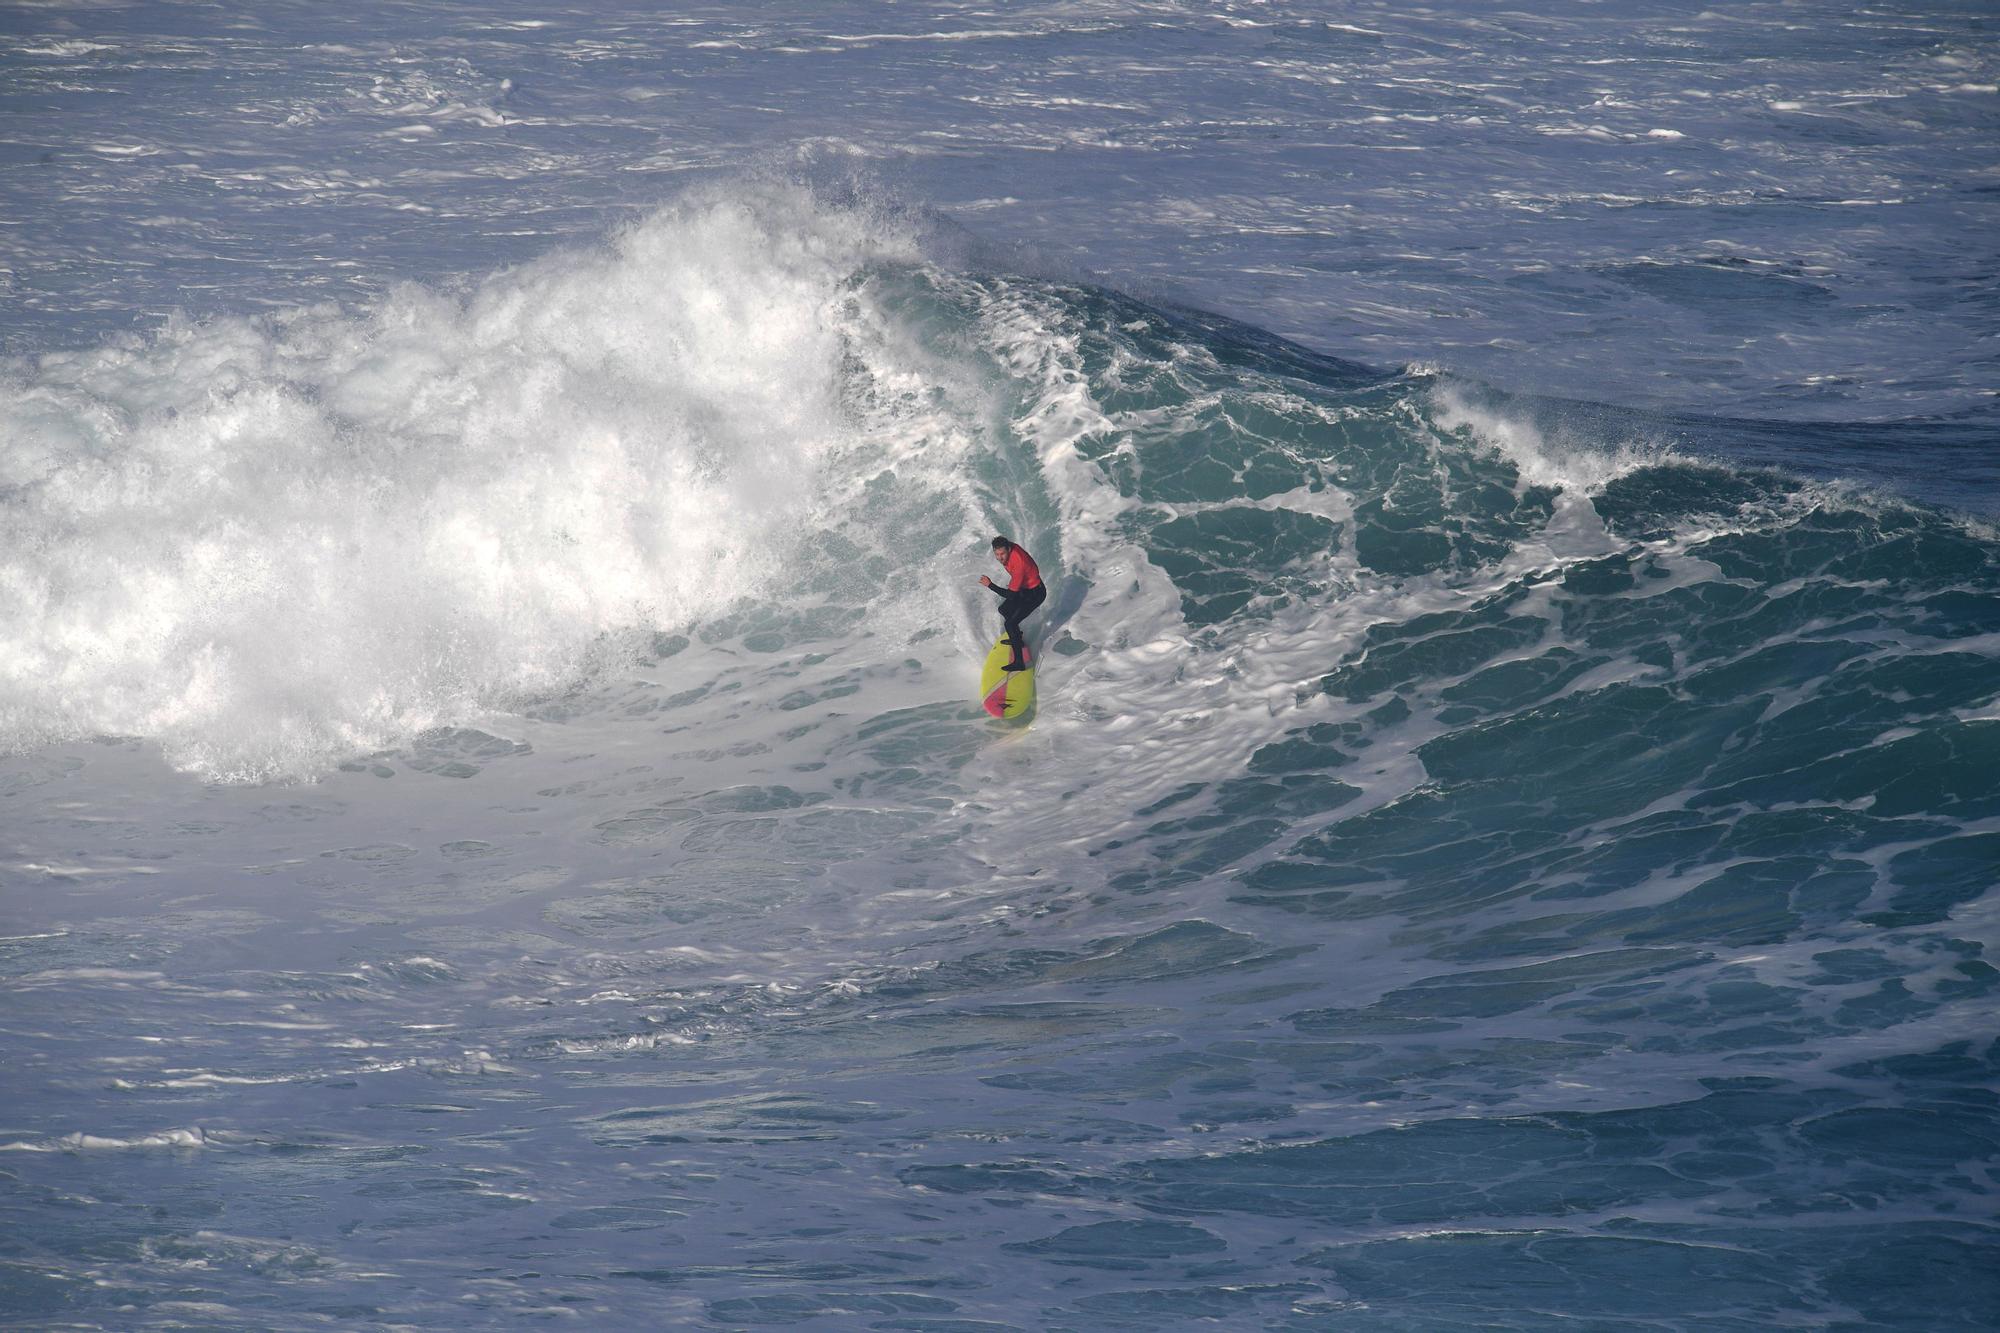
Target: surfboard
x=1007, y=694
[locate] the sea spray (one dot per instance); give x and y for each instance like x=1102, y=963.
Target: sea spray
x=266, y=543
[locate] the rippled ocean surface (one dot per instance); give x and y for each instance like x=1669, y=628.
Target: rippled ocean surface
x=495, y=824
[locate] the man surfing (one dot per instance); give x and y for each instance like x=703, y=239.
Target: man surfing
x=1018, y=600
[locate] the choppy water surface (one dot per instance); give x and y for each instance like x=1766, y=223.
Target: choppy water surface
x=494, y=824
x=1760, y=209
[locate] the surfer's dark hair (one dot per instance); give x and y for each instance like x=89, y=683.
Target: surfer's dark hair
x=1001, y=544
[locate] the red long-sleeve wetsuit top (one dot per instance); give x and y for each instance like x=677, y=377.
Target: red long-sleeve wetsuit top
x=1024, y=572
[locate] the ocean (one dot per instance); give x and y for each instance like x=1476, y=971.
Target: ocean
x=496, y=822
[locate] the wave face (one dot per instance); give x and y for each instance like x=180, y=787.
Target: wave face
x=1473, y=864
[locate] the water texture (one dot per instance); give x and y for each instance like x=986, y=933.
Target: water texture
x=495, y=823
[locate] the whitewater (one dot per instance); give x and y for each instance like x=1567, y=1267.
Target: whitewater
x=496, y=824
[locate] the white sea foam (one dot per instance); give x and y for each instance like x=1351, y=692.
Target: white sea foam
x=193, y=1137
x=1569, y=462
x=267, y=542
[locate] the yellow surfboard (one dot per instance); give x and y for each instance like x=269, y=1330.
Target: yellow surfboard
x=1007, y=694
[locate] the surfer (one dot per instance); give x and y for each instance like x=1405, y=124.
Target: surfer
x=1018, y=600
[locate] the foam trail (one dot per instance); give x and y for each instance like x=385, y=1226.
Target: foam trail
x=268, y=542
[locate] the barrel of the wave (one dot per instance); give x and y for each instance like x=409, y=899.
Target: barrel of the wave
x=1007, y=681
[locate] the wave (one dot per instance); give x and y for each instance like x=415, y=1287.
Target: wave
x=269, y=545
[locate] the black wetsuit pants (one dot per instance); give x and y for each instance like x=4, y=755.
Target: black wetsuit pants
x=1016, y=607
